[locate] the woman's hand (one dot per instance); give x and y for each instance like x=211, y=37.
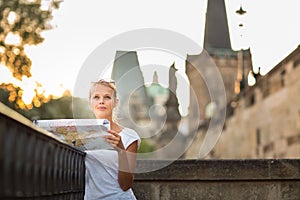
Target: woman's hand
x=115, y=140
x=126, y=159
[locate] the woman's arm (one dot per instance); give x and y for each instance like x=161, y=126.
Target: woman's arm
x=126, y=158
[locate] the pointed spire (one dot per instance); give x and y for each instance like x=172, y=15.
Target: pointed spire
x=172, y=103
x=216, y=26
x=155, y=77
x=172, y=78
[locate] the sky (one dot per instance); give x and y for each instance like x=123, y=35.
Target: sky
x=270, y=29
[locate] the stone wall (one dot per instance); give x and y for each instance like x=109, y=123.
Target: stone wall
x=220, y=179
x=266, y=120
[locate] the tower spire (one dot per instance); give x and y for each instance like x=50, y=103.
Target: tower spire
x=216, y=26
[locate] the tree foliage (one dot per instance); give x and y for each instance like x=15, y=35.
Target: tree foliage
x=11, y=95
x=22, y=22
x=60, y=108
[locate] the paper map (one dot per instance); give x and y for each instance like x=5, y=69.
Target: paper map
x=83, y=134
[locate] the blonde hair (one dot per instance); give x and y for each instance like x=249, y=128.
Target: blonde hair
x=109, y=83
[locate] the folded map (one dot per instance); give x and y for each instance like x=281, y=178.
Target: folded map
x=83, y=134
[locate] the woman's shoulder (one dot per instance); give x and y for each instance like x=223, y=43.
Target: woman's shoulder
x=129, y=132
x=129, y=135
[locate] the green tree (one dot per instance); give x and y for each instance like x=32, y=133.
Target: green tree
x=25, y=20
x=21, y=24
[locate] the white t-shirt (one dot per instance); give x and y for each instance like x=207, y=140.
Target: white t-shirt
x=101, y=179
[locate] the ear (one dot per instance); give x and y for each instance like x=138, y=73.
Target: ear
x=116, y=103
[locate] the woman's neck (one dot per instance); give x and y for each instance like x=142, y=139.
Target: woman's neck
x=116, y=127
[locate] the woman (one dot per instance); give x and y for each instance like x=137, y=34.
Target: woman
x=109, y=173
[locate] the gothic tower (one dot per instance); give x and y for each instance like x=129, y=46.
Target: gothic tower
x=172, y=104
x=233, y=66
x=216, y=26
x=134, y=102
x=173, y=117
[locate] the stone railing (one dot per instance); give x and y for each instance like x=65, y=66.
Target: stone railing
x=220, y=179
x=35, y=165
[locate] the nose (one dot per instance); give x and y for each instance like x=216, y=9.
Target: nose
x=101, y=100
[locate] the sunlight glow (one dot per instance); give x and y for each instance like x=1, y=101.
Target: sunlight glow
x=54, y=90
x=12, y=16
x=27, y=96
x=13, y=39
x=31, y=93
x=2, y=49
x=28, y=86
x=251, y=80
x=5, y=75
x=45, y=5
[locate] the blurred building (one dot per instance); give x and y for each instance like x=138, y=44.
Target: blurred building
x=170, y=135
x=262, y=121
x=150, y=110
x=265, y=121
x=234, y=66
x=134, y=102
x=203, y=70
x=158, y=95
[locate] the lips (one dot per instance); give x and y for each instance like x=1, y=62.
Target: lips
x=101, y=108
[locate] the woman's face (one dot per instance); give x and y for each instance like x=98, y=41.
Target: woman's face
x=103, y=101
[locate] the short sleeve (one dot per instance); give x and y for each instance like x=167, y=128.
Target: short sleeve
x=129, y=136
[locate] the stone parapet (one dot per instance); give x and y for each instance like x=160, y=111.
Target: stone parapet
x=220, y=179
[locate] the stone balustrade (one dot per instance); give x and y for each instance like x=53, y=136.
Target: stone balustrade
x=268, y=179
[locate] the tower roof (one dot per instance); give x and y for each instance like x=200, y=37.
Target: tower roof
x=216, y=26
x=128, y=75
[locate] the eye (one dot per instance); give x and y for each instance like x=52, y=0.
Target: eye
x=96, y=97
x=107, y=97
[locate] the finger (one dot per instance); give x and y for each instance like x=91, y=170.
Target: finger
x=113, y=139
x=112, y=142
x=113, y=132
